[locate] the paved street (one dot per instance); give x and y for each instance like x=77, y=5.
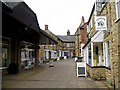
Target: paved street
x=62, y=75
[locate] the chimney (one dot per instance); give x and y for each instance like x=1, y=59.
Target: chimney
x=82, y=20
x=46, y=27
x=68, y=33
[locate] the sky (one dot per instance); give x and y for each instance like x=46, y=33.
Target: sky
x=61, y=15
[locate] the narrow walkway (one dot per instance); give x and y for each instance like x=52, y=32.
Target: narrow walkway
x=62, y=75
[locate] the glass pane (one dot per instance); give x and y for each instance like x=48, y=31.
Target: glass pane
x=4, y=56
x=118, y=9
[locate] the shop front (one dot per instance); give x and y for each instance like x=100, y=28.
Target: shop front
x=94, y=56
x=21, y=37
x=6, y=44
x=27, y=55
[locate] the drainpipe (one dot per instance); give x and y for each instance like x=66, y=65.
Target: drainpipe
x=114, y=85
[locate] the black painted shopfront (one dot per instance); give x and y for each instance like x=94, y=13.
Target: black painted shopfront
x=21, y=36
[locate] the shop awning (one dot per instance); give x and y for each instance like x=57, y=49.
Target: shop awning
x=98, y=37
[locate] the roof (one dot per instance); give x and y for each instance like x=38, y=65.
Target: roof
x=91, y=13
x=51, y=34
x=24, y=14
x=21, y=12
x=70, y=38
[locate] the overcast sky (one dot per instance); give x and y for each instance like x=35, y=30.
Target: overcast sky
x=61, y=15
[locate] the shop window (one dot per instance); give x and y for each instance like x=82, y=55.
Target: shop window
x=27, y=54
x=89, y=55
x=5, y=52
x=118, y=9
x=108, y=55
x=68, y=45
x=4, y=57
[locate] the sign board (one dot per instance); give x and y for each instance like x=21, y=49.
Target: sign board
x=81, y=69
x=100, y=23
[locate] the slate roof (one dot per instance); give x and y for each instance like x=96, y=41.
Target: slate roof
x=70, y=38
x=22, y=13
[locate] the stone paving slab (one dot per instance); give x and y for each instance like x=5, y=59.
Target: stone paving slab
x=62, y=75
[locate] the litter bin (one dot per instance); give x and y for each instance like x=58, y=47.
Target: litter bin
x=13, y=68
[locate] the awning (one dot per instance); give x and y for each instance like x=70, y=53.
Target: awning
x=98, y=37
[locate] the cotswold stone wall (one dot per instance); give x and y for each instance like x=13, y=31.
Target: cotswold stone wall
x=112, y=35
x=119, y=59
x=109, y=77
x=96, y=73
x=112, y=76
x=114, y=53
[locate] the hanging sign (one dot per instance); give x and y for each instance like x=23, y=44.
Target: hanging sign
x=100, y=22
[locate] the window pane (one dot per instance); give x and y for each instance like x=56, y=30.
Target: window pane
x=5, y=56
x=118, y=8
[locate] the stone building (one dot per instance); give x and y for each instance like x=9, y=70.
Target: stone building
x=63, y=49
x=103, y=46
x=48, y=52
x=60, y=48
x=68, y=45
x=80, y=38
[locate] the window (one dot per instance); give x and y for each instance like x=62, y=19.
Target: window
x=5, y=52
x=4, y=56
x=91, y=23
x=88, y=29
x=107, y=46
x=100, y=4
x=68, y=45
x=118, y=9
x=89, y=56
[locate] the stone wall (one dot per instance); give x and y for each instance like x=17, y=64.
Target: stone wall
x=114, y=46
x=119, y=62
x=112, y=35
x=109, y=77
x=96, y=73
x=119, y=53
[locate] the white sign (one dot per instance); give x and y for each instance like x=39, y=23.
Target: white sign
x=100, y=22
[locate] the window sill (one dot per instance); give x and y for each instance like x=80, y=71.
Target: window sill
x=1, y=68
x=99, y=67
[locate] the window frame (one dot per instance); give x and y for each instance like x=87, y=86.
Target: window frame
x=117, y=4
x=108, y=60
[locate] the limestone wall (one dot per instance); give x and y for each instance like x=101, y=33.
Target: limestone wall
x=96, y=73
x=109, y=77
x=112, y=35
